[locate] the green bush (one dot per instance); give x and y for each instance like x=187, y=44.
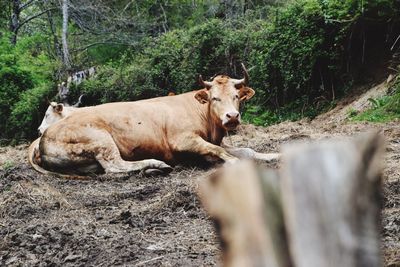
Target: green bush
x=25, y=72
x=170, y=63
x=383, y=109
x=13, y=81
x=393, y=103
x=26, y=115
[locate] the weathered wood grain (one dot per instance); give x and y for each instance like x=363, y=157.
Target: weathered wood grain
x=322, y=208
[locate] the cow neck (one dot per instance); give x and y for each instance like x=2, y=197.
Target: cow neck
x=209, y=129
x=215, y=132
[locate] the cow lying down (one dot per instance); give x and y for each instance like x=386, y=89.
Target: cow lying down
x=147, y=134
x=54, y=113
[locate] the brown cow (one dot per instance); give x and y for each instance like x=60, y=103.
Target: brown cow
x=131, y=136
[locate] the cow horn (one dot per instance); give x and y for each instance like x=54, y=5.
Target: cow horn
x=77, y=104
x=204, y=83
x=245, y=80
x=246, y=75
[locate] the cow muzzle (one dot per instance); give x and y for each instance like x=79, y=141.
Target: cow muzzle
x=40, y=131
x=231, y=120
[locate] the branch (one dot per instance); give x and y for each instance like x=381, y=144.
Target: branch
x=395, y=42
x=165, y=18
x=126, y=7
x=28, y=3
x=34, y=16
x=99, y=43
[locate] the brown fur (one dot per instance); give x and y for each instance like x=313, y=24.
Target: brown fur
x=35, y=160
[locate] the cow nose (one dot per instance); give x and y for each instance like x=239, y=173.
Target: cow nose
x=232, y=115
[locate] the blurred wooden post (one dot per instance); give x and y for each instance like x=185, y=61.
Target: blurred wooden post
x=321, y=209
x=331, y=202
x=233, y=198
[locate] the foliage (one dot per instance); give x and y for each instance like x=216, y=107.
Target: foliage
x=376, y=115
x=256, y=115
x=393, y=103
x=351, y=113
x=26, y=116
x=383, y=109
x=24, y=72
x=169, y=63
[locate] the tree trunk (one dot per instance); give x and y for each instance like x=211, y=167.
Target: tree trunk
x=66, y=57
x=14, y=20
x=56, y=43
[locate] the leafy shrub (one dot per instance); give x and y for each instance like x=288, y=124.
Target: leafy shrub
x=260, y=117
x=13, y=81
x=383, y=109
x=24, y=73
x=26, y=116
x=170, y=63
x=393, y=103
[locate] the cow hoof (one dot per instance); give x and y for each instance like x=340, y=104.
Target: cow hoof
x=153, y=172
x=156, y=172
x=165, y=168
x=160, y=165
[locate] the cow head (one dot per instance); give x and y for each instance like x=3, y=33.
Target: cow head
x=53, y=114
x=224, y=95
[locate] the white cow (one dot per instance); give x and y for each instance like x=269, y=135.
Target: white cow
x=55, y=112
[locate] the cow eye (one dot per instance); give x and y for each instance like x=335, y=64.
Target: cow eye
x=236, y=97
x=216, y=99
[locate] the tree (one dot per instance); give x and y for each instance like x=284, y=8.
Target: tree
x=66, y=57
x=17, y=7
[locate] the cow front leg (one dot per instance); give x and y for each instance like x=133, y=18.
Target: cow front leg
x=196, y=144
x=248, y=153
x=110, y=159
x=119, y=165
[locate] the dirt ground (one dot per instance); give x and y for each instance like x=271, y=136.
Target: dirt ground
x=141, y=221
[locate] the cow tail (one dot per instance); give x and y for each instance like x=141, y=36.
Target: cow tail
x=32, y=155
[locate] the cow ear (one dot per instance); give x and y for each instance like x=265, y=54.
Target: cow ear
x=245, y=93
x=58, y=108
x=202, y=96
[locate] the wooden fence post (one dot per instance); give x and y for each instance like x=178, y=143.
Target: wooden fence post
x=322, y=208
x=233, y=198
x=331, y=202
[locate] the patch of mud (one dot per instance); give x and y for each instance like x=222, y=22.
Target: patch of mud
x=151, y=221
